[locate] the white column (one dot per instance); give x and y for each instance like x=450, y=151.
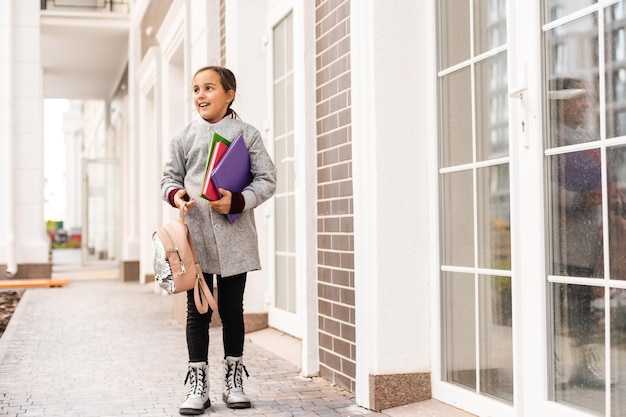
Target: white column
x=7, y=228
x=392, y=267
x=32, y=244
x=130, y=158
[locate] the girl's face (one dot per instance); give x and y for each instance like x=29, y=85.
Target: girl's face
x=209, y=97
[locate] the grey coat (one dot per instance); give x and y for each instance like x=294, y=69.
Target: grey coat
x=223, y=248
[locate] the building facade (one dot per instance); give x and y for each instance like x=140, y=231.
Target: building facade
x=439, y=230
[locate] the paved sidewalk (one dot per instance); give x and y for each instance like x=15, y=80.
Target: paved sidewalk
x=107, y=348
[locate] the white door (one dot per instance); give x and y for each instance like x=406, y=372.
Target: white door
x=584, y=80
x=532, y=99
x=283, y=312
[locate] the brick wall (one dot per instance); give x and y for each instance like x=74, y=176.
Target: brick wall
x=334, y=192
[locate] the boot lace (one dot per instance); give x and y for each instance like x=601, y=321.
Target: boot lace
x=234, y=376
x=197, y=380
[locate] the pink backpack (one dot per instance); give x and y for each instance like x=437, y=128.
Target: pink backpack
x=176, y=267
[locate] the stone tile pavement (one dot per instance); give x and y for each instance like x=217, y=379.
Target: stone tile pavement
x=101, y=347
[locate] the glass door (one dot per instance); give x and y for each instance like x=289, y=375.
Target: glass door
x=474, y=185
x=532, y=181
x=584, y=47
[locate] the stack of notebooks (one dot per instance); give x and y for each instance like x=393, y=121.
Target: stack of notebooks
x=227, y=167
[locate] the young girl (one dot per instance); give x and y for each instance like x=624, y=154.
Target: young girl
x=226, y=250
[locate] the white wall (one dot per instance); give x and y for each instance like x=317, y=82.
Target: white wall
x=390, y=130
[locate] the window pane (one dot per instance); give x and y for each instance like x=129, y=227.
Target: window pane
x=493, y=209
x=489, y=25
x=456, y=119
x=555, y=9
x=282, y=234
x=615, y=53
x=572, y=80
x=280, y=49
x=492, y=107
x=457, y=233
x=280, y=116
x=285, y=284
x=576, y=213
x=454, y=32
x=284, y=200
x=496, y=337
x=616, y=189
x=578, y=359
x=459, y=328
x=618, y=350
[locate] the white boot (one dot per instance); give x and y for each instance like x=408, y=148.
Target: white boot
x=198, y=396
x=233, y=396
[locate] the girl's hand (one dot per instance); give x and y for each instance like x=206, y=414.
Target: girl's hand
x=222, y=205
x=179, y=200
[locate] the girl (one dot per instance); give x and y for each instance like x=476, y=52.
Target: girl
x=226, y=250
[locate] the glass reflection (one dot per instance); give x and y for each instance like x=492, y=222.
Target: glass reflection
x=454, y=32
x=576, y=181
x=492, y=121
x=618, y=350
x=579, y=364
x=489, y=24
x=616, y=188
x=456, y=127
x=493, y=208
x=556, y=9
x=615, y=53
x=496, y=337
x=459, y=328
x=576, y=214
x=572, y=80
x=457, y=219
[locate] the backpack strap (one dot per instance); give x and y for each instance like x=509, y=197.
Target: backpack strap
x=201, y=292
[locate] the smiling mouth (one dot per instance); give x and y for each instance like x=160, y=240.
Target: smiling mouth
x=203, y=104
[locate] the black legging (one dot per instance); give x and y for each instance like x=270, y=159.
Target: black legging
x=230, y=305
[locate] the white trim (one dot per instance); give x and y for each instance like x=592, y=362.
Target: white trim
x=172, y=36
x=364, y=181
x=528, y=221
x=306, y=181
x=147, y=72
x=172, y=31
x=148, y=77
x=433, y=201
x=8, y=130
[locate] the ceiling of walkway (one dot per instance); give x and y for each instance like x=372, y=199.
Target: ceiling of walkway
x=83, y=55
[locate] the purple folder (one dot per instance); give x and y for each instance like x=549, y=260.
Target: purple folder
x=232, y=173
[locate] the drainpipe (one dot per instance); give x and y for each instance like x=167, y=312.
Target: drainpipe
x=11, y=270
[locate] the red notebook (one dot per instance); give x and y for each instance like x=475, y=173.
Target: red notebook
x=208, y=189
x=214, y=155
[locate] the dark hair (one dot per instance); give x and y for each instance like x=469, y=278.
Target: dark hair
x=565, y=83
x=227, y=80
